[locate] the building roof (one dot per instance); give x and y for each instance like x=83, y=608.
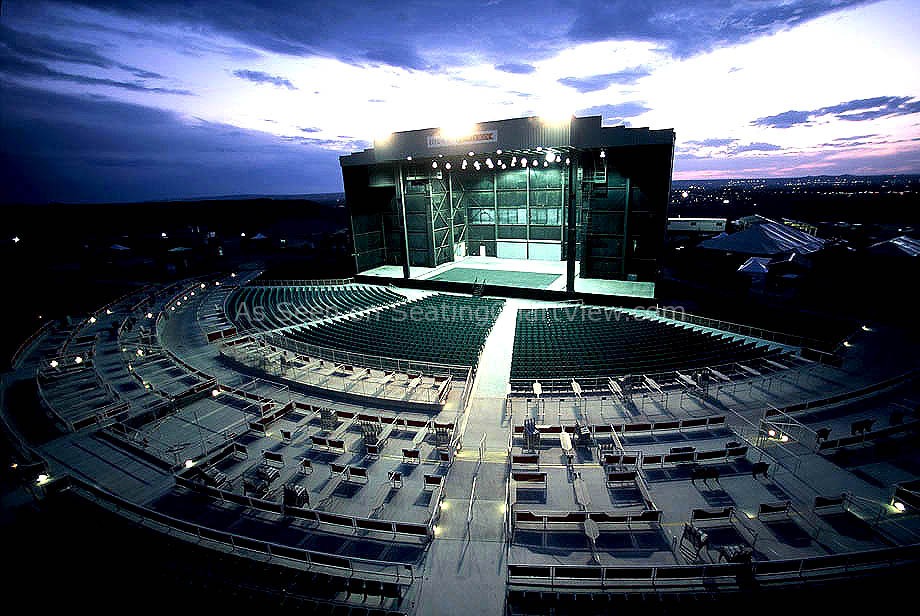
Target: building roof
x=898, y=246
x=756, y=265
x=510, y=135
x=766, y=238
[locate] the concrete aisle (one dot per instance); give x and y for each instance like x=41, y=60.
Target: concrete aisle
x=465, y=568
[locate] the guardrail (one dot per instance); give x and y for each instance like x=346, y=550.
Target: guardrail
x=710, y=576
x=398, y=572
x=355, y=524
x=377, y=362
x=301, y=283
x=21, y=349
x=671, y=380
x=742, y=330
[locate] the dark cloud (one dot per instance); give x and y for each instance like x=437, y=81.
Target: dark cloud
x=41, y=48
x=57, y=147
x=263, y=77
x=853, y=111
x=688, y=28
x=615, y=114
x=15, y=67
x=518, y=68
x=602, y=82
x=418, y=34
x=396, y=54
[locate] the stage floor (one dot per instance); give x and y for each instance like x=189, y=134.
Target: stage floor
x=548, y=275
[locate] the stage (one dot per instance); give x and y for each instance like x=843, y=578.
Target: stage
x=520, y=273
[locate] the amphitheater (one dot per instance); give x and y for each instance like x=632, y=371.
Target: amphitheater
x=365, y=449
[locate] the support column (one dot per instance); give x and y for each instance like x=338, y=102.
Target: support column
x=405, y=230
x=571, y=230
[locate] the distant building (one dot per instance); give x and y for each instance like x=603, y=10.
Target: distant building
x=697, y=225
x=902, y=246
x=763, y=237
x=756, y=219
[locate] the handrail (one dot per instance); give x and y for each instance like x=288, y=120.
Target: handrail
x=328, y=282
x=266, y=547
x=25, y=344
x=740, y=329
x=690, y=576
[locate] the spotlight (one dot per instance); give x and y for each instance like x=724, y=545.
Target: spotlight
x=215, y=392
x=603, y=154
x=899, y=506
x=784, y=438
x=408, y=158
x=545, y=164
x=771, y=433
x=149, y=315
x=539, y=148
x=92, y=319
x=447, y=166
x=523, y=161
x=866, y=328
x=463, y=166
x=42, y=479
x=535, y=162
x=472, y=153
x=78, y=360
x=499, y=152
x=189, y=464
x=434, y=164
x=550, y=156
x=54, y=363
x=568, y=161
x=243, y=234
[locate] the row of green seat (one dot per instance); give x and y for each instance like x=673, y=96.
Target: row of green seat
x=577, y=341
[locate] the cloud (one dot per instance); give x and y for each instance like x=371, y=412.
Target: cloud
x=15, y=67
x=310, y=129
x=757, y=146
x=263, y=77
x=39, y=47
x=518, y=68
x=686, y=28
x=857, y=161
x=853, y=111
x=602, y=82
x=615, y=114
x=711, y=143
x=57, y=147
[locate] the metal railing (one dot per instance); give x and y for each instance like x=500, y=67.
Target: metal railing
x=678, y=577
x=377, y=362
x=329, y=282
x=350, y=565
x=740, y=329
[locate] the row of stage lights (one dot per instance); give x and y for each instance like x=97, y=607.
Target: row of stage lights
x=549, y=157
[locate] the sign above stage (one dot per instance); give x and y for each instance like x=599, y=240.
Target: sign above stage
x=481, y=136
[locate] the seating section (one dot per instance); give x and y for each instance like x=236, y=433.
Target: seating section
x=446, y=329
x=577, y=341
x=261, y=308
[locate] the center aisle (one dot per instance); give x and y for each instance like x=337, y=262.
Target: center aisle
x=465, y=568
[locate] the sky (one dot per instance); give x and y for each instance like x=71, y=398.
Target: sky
x=122, y=100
